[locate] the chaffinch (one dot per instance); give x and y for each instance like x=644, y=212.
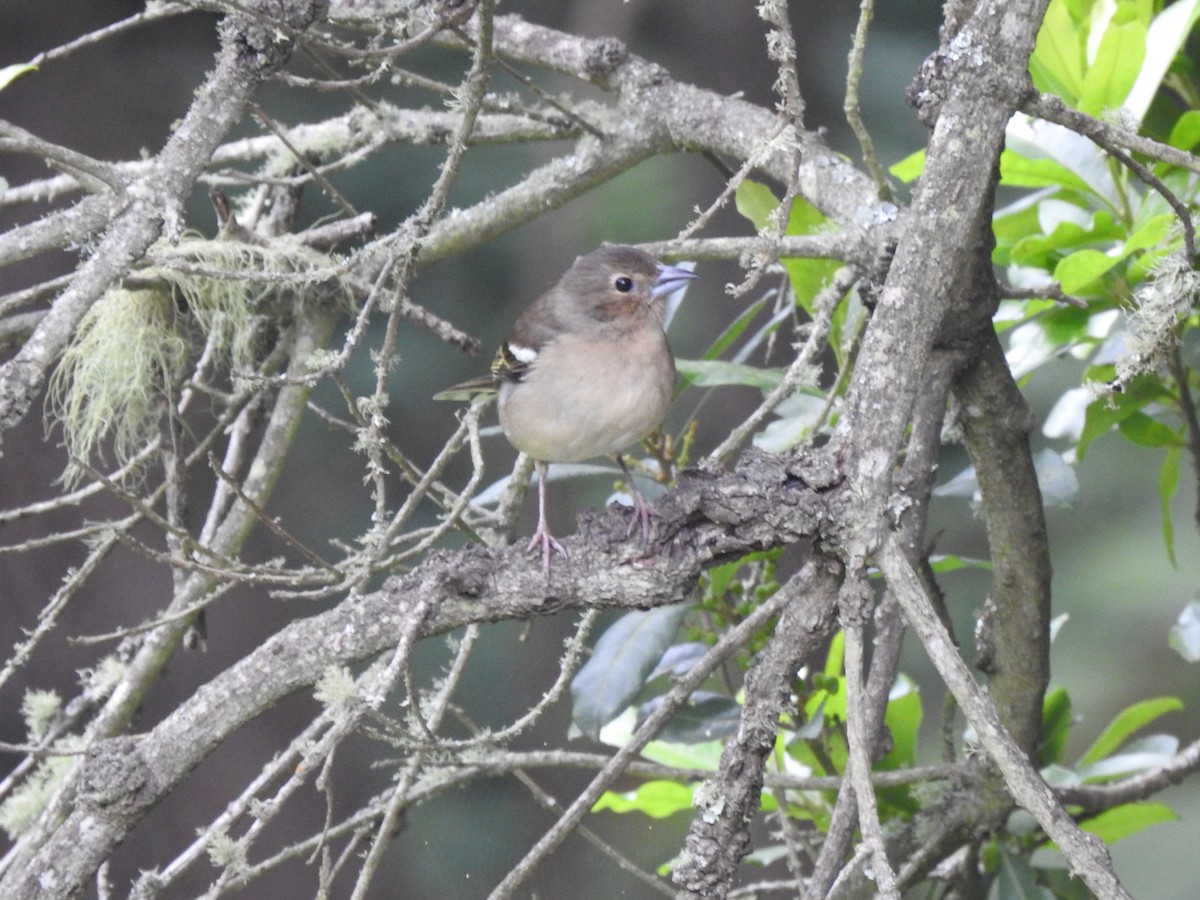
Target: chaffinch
x=586, y=370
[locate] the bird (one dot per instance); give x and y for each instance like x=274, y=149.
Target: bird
x=586, y=371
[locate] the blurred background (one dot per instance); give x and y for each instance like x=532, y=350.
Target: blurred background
x=120, y=97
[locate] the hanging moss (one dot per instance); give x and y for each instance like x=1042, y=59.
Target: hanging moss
x=127, y=355
x=131, y=349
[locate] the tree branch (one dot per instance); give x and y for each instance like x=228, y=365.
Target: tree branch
x=248, y=54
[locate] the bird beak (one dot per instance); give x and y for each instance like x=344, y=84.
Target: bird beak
x=669, y=280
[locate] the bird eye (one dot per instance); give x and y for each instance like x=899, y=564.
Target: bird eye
x=623, y=283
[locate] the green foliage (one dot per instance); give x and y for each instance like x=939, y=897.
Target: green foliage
x=624, y=656
x=809, y=408
x=1128, y=721
x=807, y=276
x=910, y=168
x=1097, y=232
x=1112, y=752
x=1015, y=879
x=731, y=592
x=656, y=799
x=1082, y=225
x=1128, y=818
x=811, y=739
x=717, y=372
x=1056, y=725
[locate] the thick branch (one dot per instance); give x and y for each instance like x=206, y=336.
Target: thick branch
x=996, y=423
x=719, y=837
x=708, y=519
x=937, y=261
x=698, y=119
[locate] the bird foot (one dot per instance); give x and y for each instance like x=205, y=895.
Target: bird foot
x=544, y=539
x=643, y=517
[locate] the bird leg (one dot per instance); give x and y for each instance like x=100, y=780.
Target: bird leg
x=643, y=513
x=542, y=536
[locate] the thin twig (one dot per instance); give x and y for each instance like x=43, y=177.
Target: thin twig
x=1187, y=409
x=854, y=600
x=851, y=107
x=1052, y=291
x=1087, y=854
x=1052, y=109
x=671, y=702
x=800, y=369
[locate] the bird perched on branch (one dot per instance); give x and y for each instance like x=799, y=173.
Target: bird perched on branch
x=586, y=370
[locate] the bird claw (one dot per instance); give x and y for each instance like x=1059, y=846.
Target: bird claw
x=543, y=538
x=643, y=518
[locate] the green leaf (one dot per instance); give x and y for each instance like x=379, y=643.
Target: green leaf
x=1115, y=68
x=1038, y=249
x=657, y=799
x=720, y=577
x=1040, y=142
x=1164, y=38
x=798, y=415
x=1065, y=324
x=1168, y=484
x=1143, y=754
x=1021, y=171
x=9, y=74
x=948, y=562
x=1144, y=264
x=1128, y=818
x=1057, y=61
x=903, y=721
x=1063, y=885
x=625, y=654
x=1104, y=413
x=1185, y=133
x=1126, y=722
x=1185, y=633
x=829, y=702
x=1139, y=428
x=682, y=756
x=1015, y=225
x=910, y=168
x=717, y=372
x=1057, y=720
x=807, y=276
x=706, y=716
x=1015, y=879
x=1056, y=479
x=1081, y=268
x=836, y=658
x=756, y=202
x=1154, y=231
x=734, y=330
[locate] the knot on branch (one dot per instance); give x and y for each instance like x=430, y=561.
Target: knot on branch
x=925, y=94
x=116, y=775
x=604, y=55
x=454, y=12
x=470, y=573
x=264, y=34
x=767, y=500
